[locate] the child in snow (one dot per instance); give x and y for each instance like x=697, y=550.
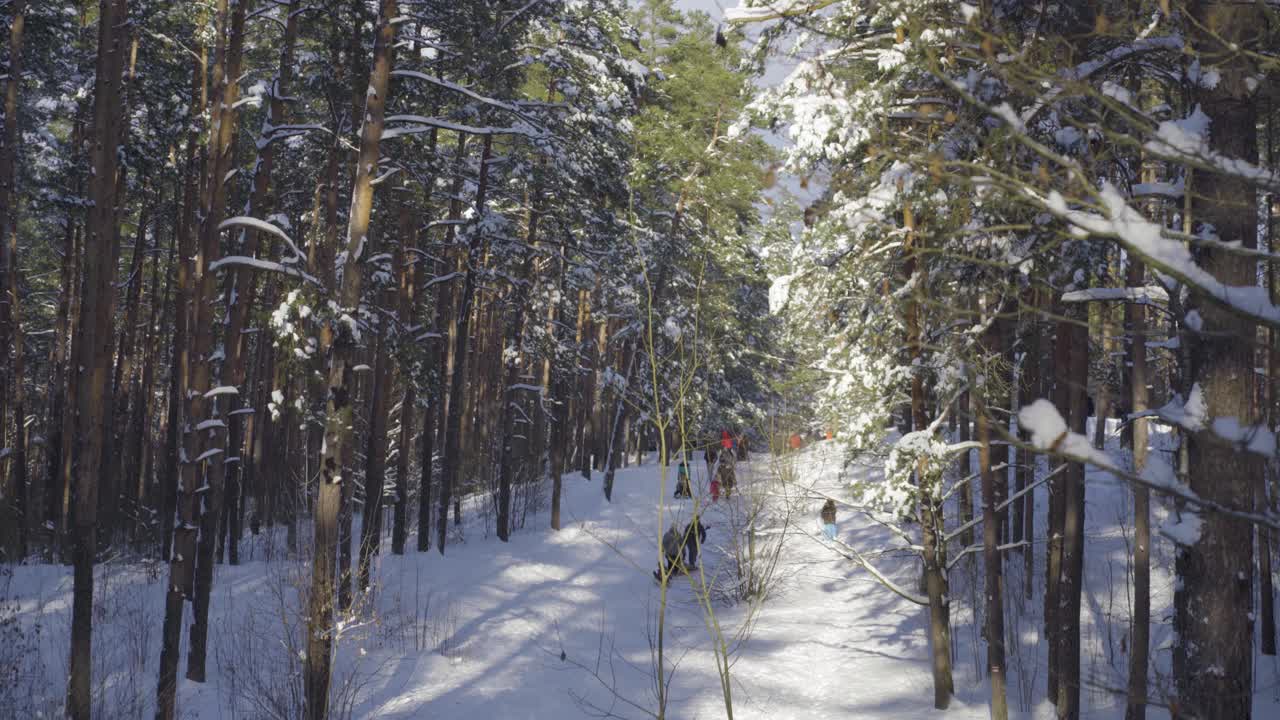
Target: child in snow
x=695, y=534
x=715, y=489
x=682, y=481
x=829, y=519
x=728, y=478
x=671, y=555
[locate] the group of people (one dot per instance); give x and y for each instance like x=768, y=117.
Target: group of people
x=722, y=474
x=680, y=549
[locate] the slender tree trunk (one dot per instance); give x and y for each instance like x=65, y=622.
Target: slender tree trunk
x=929, y=507
x=11, y=317
x=58, y=388
x=509, y=394
x=561, y=388
x=95, y=336
x=447, y=304
x=993, y=585
x=1140, y=637
x=375, y=473
x=139, y=450
x=1070, y=586
x=586, y=385
x=1266, y=594
x=1213, y=598
x=450, y=463
x=407, y=262
x=211, y=443
x=118, y=463
x=1057, y=505
x=180, y=501
x=340, y=338
x=241, y=292
x=66, y=469
x=964, y=418
x=123, y=461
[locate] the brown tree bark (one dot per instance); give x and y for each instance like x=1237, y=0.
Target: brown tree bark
x=375, y=468
x=993, y=586
x=94, y=337
x=964, y=420
x=340, y=338
x=446, y=323
x=117, y=469
x=929, y=506
x=1070, y=586
x=1266, y=590
x=57, y=386
x=211, y=443
x=451, y=461
x=1213, y=599
x=1057, y=503
x=141, y=449
x=178, y=478
x=509, y=394
x=1140, y=635
x=407, y=261
x=241, y=292
x=560, y=391
x=10, y=308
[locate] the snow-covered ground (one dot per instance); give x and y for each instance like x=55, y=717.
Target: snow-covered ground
x=561, y=624
x=482, y=628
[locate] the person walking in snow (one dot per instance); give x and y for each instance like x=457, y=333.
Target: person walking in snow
x=670, y=554
x=695, y=534
x=829, y=519
x=726, y=440
x=682, y=481
x=715, y=489
x=728, y=476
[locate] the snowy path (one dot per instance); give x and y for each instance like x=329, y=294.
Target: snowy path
x=479, y=632
x=832, y=643
x=836, y=643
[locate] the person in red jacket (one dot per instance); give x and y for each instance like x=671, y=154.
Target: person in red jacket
x=726, y=440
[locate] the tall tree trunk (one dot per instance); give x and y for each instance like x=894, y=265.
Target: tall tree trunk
x=929, y=506
x=586, y=384
x=75, y=359
x=446, y=319
x=450, y=463
x=1057, y=503
x=1140, y=636
x=211, y=443
x=58, y=389
x=340, y=338
x=141, y=448
x=375, y=468
x=1070, y=586
x=561, y=389
x=241, y=284
x=964, y=419
x=1266, y=590
x=1213, y=598
x=11, y=317
x=993, y=585
x=117, y=463
x=406, y=313
x=509, y=393
x=95, y=336
x=180, y=501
